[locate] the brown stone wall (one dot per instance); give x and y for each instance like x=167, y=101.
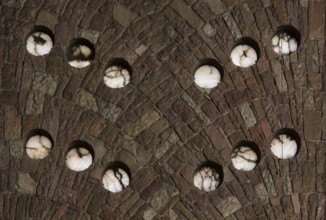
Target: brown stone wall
x=161, y=125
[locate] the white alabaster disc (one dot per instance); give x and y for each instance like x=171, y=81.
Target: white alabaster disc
x=207, y=76
x=206, y=179
x=115, y=180
x=80, y=56
x=38, y=147
x=79, y=159
x=39, y=44
x=244, y=158
x=244, y=56
x=284, y=43
x=283, y=146
x=116, y=77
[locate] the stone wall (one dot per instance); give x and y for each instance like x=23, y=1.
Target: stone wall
x=161, y=125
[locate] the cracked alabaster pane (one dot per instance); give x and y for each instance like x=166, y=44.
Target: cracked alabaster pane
x=206, y=179
x=207, y=76
x=80, y=56
x=244, y=56
x=38, y=147
x=39, y=44
x=284, y=43
x=284, y=146
x=116, y=77
x=244, y=158
x=115, y=180
x=79, y=159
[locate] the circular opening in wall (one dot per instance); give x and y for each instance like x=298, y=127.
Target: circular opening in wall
x=208, y=176
x=40, y=41
x=80, y=53
x=79, y=156
x=208, y=74
x=245, y=156
x=38, y=144
x=245, y=52
x=286, y=143
x=286, y=39
x=117, y=177
x=117, y=73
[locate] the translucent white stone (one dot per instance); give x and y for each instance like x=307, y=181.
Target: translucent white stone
x=207, y=76
x=244, y=56
x=115, y=180
x=116, y=77
x=38, y=147
x=81, y=56
x=206, y=179
x=283, y=146
x=244, y=158
x=284, y=43
x=39, y=44
x=79, y=159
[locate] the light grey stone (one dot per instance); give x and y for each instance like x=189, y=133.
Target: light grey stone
x=286, y=180
x=248, y=115
x=173, y=215
x=34, y=103
x=26, y=184
x=90, y=35
x=17, y=149
x=229, y=206
x=162, y=149
x=123, y=15
x=87, y=100
x=160, y=199
x=261, y=191
x=141, y=49
x=165, y=145
x=109, y=111
x=228, y=18
x=129, y=144
x=143, y=122
x=269, y=183
x=209, y=30
x=149, y=214
x=309, y=100
x=217, y=6
x=45, y=83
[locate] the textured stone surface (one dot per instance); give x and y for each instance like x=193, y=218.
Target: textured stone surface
x=144, y=122
x=261, y=191
x=87, y=100
x=248, y=115
x=17, y=149
x=26, y=184
x=229, y=206
x=45, y=83
x=161, y=125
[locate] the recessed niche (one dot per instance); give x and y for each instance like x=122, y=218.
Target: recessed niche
x=208, y=73
x=40, y=41
x=117, y=73
x=117, y=177
x=286, y=40
x=208, y=176
x=286, y=143
x=80, y=156
x=245, y=156
x=80, y=53
x=245, y=53
x=38, y=144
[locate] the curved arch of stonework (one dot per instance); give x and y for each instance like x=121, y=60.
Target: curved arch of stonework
x=161, y=125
